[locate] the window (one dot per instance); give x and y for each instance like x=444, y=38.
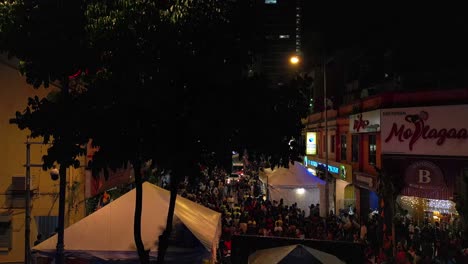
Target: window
x=270, y=1
x=5, y=233
x=17, y=192
x=355, y=148
x=343, y=147
x=332, y=142
x=372, y=149
x=46, y=225
x=283, y=36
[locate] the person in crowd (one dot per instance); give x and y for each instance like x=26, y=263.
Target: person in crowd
x=401, y=257
x=311, y=210
x=363, y=231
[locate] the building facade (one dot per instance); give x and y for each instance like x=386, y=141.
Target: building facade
x=426, y=148
x=341, y=193
x=416, y=137
x=44, y=191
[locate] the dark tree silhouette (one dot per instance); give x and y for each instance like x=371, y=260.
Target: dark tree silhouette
x=151, y=81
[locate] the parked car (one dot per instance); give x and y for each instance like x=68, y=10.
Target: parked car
x=234, y=177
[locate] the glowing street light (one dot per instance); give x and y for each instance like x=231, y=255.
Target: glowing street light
x=294, y=60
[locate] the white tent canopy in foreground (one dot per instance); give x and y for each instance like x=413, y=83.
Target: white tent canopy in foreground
x=292, y=254
x=108, y=232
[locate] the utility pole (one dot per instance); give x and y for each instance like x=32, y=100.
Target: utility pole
x=327, y=183
x=60, y=257
x=27, y=229
x=27, y=223
x=328, y=179
x=27, y=232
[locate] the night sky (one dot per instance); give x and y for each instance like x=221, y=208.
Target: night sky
x=426, y=39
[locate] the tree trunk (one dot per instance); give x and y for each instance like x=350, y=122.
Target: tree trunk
x=392, y=217
x=60, y=258
x=164, y=237
x=142, y=253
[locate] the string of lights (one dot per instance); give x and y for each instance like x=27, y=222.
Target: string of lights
x=442, y=206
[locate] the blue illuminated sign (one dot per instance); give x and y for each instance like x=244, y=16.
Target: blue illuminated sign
x=331, y=168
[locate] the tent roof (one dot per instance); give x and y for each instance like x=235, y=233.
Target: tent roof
x=295, y=176
x=276, y=254
x=110, y=229
x=264, y=174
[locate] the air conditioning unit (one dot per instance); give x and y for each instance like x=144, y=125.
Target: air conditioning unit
x=5, y=218
x=18, y=183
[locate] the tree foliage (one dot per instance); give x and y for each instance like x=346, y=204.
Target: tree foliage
x=149, y=80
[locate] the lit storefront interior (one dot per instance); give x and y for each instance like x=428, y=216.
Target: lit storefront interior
x=433, y=210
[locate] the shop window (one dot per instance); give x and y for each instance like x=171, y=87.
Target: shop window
x=372, y=149
x=332, y=142
x=355, y=148
x=343, y=147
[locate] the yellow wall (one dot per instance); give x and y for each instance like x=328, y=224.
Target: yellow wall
x=13, y=97
x=340, y=194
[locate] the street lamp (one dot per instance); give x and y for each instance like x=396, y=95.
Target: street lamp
x=294, y=60
x=325, y=104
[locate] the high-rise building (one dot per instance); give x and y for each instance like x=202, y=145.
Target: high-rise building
x=281, y=29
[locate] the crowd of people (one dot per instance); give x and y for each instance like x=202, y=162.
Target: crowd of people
x=427, y=242
x=246, y=211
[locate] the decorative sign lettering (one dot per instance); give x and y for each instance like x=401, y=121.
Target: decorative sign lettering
x=426, y=131
x=359, y=123
x=365, y=122
x=422, y=130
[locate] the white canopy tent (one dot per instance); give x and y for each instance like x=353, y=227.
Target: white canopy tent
x=107, y=234
x=292, y=254
x=294, y=185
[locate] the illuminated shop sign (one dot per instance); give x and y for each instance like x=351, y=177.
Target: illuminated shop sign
x=311, y=144
x=331, y=168
x=365, y=122
x=425, y=130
